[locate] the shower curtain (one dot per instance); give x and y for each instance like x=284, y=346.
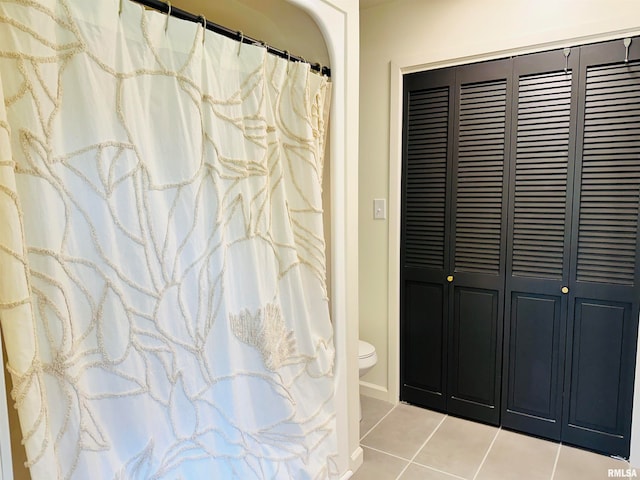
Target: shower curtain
x=162, y=289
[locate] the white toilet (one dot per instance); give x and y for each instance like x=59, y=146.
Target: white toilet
x=367, y=358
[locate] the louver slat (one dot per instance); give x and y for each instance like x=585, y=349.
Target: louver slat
x=542, y=149
x=425, y=177
x=610, y=180
x=481, y=141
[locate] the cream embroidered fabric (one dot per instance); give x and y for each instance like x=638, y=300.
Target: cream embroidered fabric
x=162, y=294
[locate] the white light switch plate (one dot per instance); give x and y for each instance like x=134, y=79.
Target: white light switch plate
x=379, y=208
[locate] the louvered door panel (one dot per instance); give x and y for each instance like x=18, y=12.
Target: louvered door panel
x=542, y=149
x=480, y=170
x=604, y=288
x=425, y=253
x=425, y=177
x=540, y=213
x=610, y=183
x=476, y=291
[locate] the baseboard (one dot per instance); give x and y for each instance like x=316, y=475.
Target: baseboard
x=355, y=462
x=357, y=457
x=376, y=391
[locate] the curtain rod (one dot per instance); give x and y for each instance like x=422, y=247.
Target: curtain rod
x=167, y=8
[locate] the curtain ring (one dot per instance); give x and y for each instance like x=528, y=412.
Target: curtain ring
x=120, y=8
x=241, y=41
x=166, y=23
x=204, y=26
x=288, y=59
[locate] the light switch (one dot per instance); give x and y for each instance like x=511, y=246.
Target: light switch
x=379, y=208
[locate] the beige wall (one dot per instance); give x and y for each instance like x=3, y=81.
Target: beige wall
x=276, y=22
x=425, y=34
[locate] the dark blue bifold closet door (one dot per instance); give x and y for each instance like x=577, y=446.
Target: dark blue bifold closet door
x=520, y=259
x=540, y=200
x=478, y=226
x=426, y=228
x=455, y=145
x=604, y=289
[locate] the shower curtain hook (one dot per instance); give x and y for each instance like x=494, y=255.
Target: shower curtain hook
x=241, y=41
x=166, y=23
x=204, y=26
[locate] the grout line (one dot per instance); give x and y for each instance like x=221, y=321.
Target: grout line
x=487, y=454
x=386, y=453
x=421, y=447
x=555, y=464
x=452, y=475
x=378, y=422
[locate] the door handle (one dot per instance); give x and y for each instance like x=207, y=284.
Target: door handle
x=564, y=290
x=450, y=278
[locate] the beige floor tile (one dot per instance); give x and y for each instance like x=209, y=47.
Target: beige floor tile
x=417, y=472
x=372, y=412
x=379, y=466
x=574, y=463
x=403, y=431
x=457, y=447
x=516, y=457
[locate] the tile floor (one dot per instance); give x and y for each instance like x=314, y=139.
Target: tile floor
x=411, y=443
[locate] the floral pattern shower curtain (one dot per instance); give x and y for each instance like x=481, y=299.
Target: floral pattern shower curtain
x=162, y=289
